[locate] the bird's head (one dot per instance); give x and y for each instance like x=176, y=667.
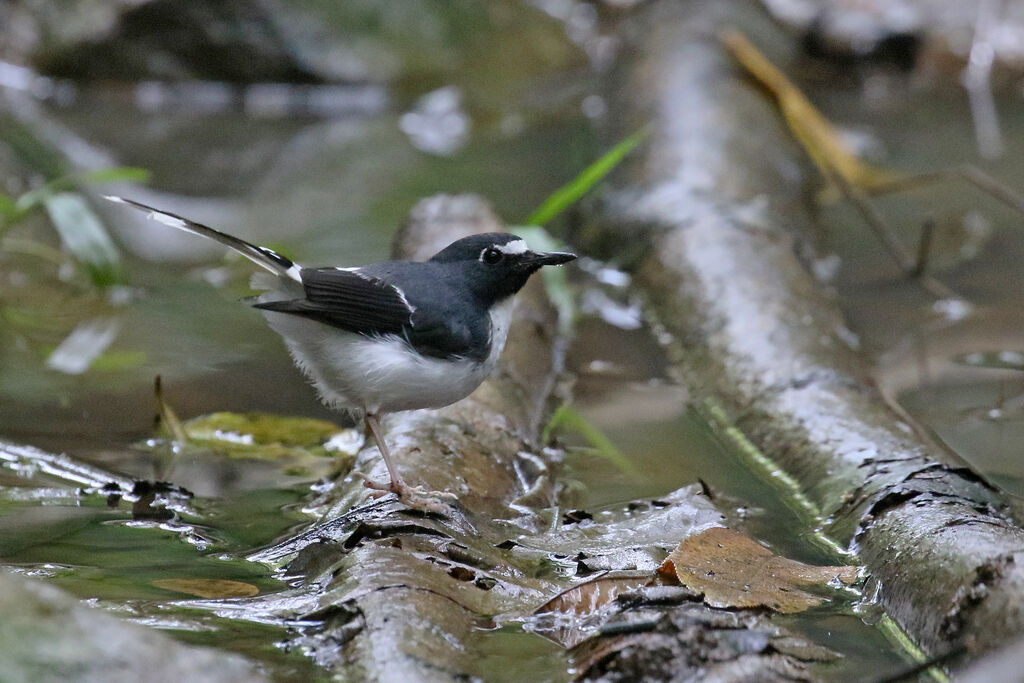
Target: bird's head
x=496, y=265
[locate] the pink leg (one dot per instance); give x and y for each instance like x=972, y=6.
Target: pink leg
x=397, y=484
x=413, y=497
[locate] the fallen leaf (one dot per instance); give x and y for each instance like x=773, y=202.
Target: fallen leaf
x=259, y=435
x=261, y=429
x=734, y=570
x=569, y=617
x=209, y=588
x=591, y=596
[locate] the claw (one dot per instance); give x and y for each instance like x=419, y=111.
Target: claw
x=413, y=496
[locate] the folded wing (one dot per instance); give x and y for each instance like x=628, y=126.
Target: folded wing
x=349, y=300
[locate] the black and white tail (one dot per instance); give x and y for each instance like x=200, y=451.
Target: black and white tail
x=261, y=256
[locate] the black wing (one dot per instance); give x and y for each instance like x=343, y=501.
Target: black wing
x=349, y=300
x=356, y=301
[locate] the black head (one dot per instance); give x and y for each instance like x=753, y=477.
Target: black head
x=496, y=265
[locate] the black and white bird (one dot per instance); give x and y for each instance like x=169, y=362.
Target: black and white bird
x=394, y=335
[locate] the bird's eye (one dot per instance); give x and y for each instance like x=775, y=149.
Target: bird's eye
x=490, y=256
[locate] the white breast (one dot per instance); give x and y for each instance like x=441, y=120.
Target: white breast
x=353, y=372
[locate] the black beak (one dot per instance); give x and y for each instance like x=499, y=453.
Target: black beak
x=551, y=258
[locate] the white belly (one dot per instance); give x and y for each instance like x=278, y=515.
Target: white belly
x=353, y=372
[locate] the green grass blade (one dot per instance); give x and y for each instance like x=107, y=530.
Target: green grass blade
x=112, y=174
x=568, y=418
x=7, y=211
x=570, y=193
x=6, y=204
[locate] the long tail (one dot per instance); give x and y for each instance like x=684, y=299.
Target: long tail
x=261, y=256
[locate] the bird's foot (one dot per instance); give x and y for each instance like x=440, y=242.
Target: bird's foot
x=413, y=496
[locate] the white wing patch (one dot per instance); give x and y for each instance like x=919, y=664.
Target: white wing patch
x=401, y=295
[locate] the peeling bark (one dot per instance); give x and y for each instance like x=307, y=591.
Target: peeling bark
x=763, y=349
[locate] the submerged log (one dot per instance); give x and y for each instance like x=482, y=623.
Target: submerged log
x=717, y=199
x=47, y=636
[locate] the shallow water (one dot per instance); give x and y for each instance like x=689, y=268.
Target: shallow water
x=332, y=190
x=945, y=370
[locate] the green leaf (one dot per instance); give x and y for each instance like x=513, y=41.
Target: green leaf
x=262, y=435
x=7, y=206
x=261, y=429
x=85, y=236
x=568, y=418
x=8, y=212
x=569, y=194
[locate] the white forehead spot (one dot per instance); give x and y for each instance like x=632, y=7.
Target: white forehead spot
x=513, y=247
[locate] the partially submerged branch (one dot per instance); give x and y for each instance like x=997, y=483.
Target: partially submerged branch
x=762, y=346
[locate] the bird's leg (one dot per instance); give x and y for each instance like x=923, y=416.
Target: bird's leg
x=397, y=484
x=411, y=496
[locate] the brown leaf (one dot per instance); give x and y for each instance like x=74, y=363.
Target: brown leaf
x=591, y=596
x=209, y=588
x=733, y=570
x=569, y=617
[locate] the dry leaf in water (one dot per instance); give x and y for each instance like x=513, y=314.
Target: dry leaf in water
x=569, y=617
x=209, y=588
x=591, y=596
x=733, y=570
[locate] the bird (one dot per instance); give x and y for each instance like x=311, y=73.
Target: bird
x=394, y=335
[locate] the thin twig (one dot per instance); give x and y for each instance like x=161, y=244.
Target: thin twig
x=970, y=173
x=924, y=248
x=874, y=219
x=887, y=237
x=991, y=186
